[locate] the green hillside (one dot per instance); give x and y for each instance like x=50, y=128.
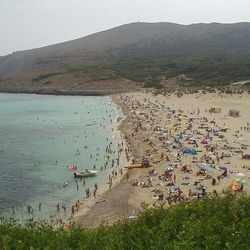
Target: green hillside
x=207, y=54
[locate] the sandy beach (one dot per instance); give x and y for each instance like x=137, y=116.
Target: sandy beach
x=193, y=152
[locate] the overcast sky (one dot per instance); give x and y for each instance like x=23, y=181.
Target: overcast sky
x=26, y=24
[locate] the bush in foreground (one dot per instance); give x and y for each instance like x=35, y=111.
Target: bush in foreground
x=212, y=223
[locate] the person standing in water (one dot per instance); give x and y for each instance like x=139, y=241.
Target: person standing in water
x=58, y=207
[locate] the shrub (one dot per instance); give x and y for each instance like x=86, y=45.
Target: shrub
x=212, y=223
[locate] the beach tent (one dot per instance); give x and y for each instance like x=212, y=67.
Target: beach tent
x=215, y=109
x=203, y=166
x=191, y=151
x=234, y=113
x=240, y=174
x=246, y=157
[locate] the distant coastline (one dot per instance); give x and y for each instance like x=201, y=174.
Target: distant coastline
x=59, y=92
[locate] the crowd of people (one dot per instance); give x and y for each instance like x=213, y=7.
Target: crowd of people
x=194, y=152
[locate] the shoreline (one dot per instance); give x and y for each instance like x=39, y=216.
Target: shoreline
x=90, y=203
x=116, y=205
x=61, y=93
x=123, y=201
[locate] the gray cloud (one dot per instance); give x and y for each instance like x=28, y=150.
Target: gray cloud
x=26, y=24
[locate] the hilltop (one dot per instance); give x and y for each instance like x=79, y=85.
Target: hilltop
x=131, y=56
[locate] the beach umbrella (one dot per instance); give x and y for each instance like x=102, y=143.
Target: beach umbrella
x=239, y=181
x=191, y=151
x=235, y=186
x=180, y=137
x=246, y=156
x=170, y=169
x=222, y=168
x=205, y=141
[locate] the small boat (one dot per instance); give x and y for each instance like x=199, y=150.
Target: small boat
x=86, y=173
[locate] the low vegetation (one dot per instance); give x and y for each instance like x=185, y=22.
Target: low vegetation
x=45, y=76
x=214, y=70
x=212, y=223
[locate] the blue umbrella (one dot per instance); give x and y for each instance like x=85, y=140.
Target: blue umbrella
x=222, y=168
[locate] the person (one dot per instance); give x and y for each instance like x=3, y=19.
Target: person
x=213, y=182
x=160, y=197
x=224, y=173
x=58, y=207
x=215, y=192
x=72, y=210
x=77, y=205
x=189, y=192
x=40, y=206
x=127, y=175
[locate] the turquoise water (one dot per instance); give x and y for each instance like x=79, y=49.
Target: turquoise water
x=39, y=137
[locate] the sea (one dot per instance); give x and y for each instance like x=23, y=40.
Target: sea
x=40, y=136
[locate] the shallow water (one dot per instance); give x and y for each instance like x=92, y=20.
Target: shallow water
x=39, y=137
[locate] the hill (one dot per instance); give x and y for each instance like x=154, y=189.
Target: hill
x=122, y=57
